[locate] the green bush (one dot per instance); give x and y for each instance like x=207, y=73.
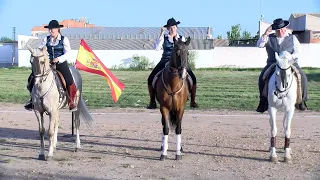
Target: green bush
x=140, y=63
x=192, y=57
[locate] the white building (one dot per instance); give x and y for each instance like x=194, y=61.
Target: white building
x=116, y=45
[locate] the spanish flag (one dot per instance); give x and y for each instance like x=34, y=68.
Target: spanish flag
x=89, y=62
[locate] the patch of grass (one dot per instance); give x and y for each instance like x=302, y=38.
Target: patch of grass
x=218, y=88
x=5, y=161
x=95, y=157
x=25, y=158
x=5, y=149
x=61, y=159
x=3, y=140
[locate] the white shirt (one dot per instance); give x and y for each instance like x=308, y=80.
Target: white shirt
x=159, y=42
x=296, y=44
x=66, y=45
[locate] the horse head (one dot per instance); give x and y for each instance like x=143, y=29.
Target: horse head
x=39, y=61
x=283, y=68
x=179, y=57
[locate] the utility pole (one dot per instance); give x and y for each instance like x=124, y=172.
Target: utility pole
x=14, y=45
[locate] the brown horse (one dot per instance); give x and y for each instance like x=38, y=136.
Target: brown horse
x=172, y=94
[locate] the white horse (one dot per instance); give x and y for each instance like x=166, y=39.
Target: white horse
x=282, y=95
x=46, y=98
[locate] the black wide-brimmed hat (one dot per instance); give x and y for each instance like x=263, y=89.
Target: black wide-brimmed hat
x=53, y=24
x=171, y=22
x=279, y=23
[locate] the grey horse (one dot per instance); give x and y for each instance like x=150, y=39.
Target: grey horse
x=48, y=98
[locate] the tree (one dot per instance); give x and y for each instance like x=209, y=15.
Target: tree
x=5, y=40
x=234, y=34
x=246, y=35
x=219, y=37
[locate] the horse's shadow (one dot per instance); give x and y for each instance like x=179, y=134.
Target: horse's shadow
x=32, y=134
x=190, y=152
x=12, y=133
x=148, y=140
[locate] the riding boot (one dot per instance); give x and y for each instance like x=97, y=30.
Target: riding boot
x=72, y=91
x=152, y=94
x=193, y=103
x=29, y=105
x=263, y=105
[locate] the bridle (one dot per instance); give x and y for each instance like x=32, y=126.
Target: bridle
x=278, y=92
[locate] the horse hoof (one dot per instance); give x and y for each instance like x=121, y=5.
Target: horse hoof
x=181, y=149
x=287, y=160
x=49, y=158
x=161, y=148
x=178, y=157
x=41, y=157
x=163, y=157
x=77, y=149
x=274, y=159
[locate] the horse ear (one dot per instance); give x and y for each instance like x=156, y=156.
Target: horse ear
x=188, y=41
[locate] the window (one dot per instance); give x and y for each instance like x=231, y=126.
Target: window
x=23, y=43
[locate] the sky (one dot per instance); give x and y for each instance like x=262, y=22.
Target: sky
x=220, y=15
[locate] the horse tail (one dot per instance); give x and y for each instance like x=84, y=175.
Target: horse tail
x=84, y=113
x=173, y=120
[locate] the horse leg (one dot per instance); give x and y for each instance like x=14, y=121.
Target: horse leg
x=77, y=124
x=41, y=132
x=287, y=128
x=178, y=133
x=273, y=124
x=56, y=128
x=53, y=116
x=165, y=125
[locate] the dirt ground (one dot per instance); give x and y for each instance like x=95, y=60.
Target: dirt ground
x=125, y=143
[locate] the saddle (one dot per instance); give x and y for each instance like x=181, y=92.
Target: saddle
x=155, y=79
x=60, y=80
x=268, y=73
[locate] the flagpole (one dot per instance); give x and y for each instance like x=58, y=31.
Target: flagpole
x=77, y=55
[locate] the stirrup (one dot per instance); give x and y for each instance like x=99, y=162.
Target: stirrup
x=302, y=106
x=29, y=106
x=152, y=105
x=194, y=105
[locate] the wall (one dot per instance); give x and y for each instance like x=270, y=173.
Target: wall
x=22, y=40
x=6, y=55
x=241, y=57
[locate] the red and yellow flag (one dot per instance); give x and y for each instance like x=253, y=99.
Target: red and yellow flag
x=89, y=62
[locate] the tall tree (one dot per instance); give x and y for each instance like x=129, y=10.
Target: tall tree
x=234, y=34
x=219, y=37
